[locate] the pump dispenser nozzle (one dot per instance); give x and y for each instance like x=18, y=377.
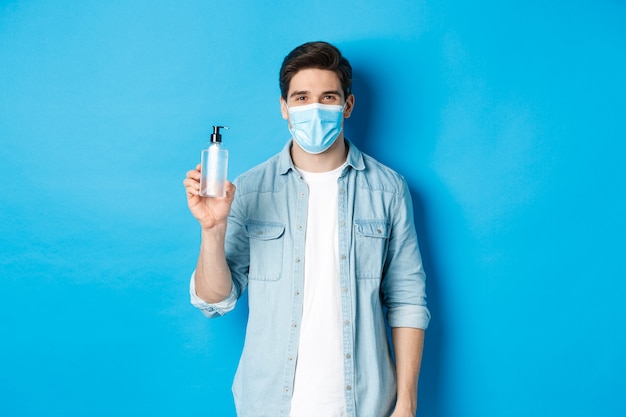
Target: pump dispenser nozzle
x=216, y=136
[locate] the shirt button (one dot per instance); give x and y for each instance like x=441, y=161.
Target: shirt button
x=341, y=223
x=346, y=322
x=260, y=232
x=299, y=227
x=345, y=289
x=294, y=325
x=342, y=191
x=297, y=292
x=301, y=194
x=348, y=387
x=297, y=260
x=347, y=356
x=343, y=257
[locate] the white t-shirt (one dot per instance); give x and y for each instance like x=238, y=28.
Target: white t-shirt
x=319, y=378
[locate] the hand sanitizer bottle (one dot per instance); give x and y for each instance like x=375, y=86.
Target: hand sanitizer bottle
x=214, y=166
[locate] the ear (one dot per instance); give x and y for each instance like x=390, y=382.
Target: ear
x=283, y=109
x=347, y=111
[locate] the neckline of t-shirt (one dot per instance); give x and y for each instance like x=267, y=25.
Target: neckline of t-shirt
x=321, y=176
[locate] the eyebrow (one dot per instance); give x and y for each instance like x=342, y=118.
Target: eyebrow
x=325, y=93
x=298, y=93
x=336, y=92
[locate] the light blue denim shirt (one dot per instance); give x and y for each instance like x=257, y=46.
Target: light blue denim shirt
x=381, y=275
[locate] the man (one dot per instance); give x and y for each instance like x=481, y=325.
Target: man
x=322, y=236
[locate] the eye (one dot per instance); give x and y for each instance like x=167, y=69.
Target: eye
x=330, y=98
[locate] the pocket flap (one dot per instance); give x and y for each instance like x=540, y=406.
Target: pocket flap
x=373, y=228
x=264, y=230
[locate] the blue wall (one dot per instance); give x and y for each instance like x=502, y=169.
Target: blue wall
x=507, y=119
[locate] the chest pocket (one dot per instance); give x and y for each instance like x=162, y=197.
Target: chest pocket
x=266, y=249
x=371, y=241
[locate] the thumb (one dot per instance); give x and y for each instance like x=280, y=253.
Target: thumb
x=230, y=190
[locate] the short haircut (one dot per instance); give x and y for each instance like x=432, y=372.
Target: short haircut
x=320, y=55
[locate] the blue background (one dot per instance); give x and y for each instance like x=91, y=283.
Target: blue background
x=506, y=118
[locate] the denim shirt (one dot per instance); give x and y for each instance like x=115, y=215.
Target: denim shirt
x=381, y=275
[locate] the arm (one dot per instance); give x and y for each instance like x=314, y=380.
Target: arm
x=408, y=344
x=213, y=280
x=405, y=297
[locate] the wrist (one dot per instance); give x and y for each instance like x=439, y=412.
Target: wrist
x=213, y=238
x=214, y=229
x=406, y=405
x=412, y=407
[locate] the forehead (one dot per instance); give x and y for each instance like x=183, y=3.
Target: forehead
x=314, y=80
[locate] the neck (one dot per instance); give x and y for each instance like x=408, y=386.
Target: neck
x=326, y=161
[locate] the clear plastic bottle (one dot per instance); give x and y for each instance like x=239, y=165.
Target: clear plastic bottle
x=214, y=166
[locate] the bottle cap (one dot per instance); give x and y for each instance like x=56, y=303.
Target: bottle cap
x=216, y=136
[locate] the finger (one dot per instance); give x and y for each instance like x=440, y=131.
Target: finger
x=230, y=190
x=192, y=187
x=195, y=174
x=190, y=182
x=191, y=192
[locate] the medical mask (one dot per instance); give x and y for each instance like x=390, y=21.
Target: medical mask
x=315, y=127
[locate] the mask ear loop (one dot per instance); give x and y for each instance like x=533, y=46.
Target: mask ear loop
x=343, y=108
x=288, y=115
x=343, y=116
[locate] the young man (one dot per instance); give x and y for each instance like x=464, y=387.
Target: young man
x=322, y=236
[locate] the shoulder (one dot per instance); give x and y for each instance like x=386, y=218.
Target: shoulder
x=377, y=176
x=260, y=177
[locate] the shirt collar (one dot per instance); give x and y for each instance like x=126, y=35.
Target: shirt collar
x=354, y=160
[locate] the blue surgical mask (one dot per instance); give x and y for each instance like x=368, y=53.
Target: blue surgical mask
x=315, y=127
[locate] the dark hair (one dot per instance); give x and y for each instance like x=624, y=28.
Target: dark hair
x=320, y=55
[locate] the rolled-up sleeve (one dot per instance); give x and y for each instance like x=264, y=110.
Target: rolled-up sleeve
x=212, y=309
x=237, y=252
x=404, y=281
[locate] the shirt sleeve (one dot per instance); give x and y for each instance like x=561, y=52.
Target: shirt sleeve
x=404, y=279
x=237, y=250
x=212, y=309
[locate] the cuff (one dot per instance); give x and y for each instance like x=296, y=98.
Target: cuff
x=212, y=309
x=416, y=317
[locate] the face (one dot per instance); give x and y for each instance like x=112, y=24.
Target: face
x=314, y=85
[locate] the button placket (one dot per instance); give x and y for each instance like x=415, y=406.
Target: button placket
x=345, y=231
